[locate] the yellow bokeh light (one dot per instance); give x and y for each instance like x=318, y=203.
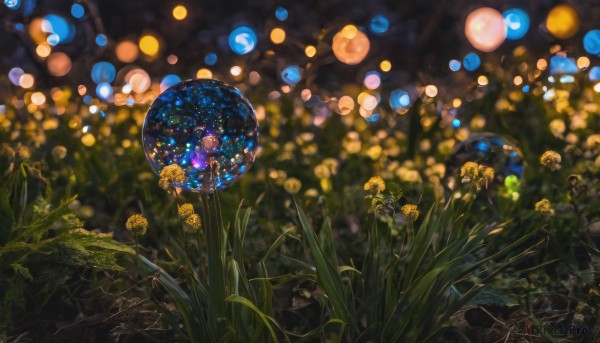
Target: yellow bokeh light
x=518, y=80
x=88, y=140
x=385, y=65
x=597, y=87
x=277, y=35
x=35, y=31
x=149, y=45
x=583, y=62
x=127, y=51
x=180, y=12
x=482, y=80
x=38, y=98
x=43, y=50
x=349, y=31
x=369, y=102
x=59, y=64
x=562, y=22
x=485, y=29
x=204, y=73
x=350, y=50
x=310, y=51
x=346, y=105
x=138, y=80
x=235, y=70
x=542, y=64
x=431, y=91
x=26, y=81
x=456, y=102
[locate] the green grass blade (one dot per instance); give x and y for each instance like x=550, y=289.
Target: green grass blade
x=328, y=276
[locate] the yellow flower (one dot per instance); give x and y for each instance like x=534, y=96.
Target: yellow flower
x=137, y=224
x=185, y=210
x=593, y=141
x=487, y=173
x=169, y=175
x=551, y=159
x=469, y=171
x=544, y=207
x=332, y=164
x=375, y=185
x=322, y=172
x=292, y=185
x=192, y=223
x=408, y=175
x=410, y=212
x=59, y=152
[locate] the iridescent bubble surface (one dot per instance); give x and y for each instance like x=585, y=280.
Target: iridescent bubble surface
x=491, y=150
x=198, y=124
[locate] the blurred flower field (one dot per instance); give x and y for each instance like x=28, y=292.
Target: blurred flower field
x=371, y=213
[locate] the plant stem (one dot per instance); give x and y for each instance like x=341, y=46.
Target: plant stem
x=216, y=288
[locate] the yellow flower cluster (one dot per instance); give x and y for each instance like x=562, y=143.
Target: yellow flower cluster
x=375, y=185
x=544, y=207
x=190, y=221
x=292, y=185
x=410, y=212
x=169, y=175
x=322, y=172
x=137, y=224
x=551, y=159
x=59, y=152
x=469, y=171
x=477, y=173
x=185, y=210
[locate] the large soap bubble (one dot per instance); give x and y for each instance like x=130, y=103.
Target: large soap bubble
x=205, y=126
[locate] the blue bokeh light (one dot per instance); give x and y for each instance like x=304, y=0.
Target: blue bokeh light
x=471, y=61
x=379, y=24
x=454, y=65
x=77, y=11
x=291, y=75
x=242, y=40
x=60, y=30
x=168, y=81
x=104, y=90
x=591, y=42
x=13, y=4
x=594, y=74
x=517, y=23
x=567, y=79
x=210, y=59
x=562, y=65
x=456, y=123
x=399, y=99
x=373, y=118
x=281, y=13
x=101, y=40
x=15, y=74
x=103, y=72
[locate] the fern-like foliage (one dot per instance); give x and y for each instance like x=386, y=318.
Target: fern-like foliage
x=42, y=244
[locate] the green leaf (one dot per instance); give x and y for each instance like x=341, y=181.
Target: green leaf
x=328, y=276
x=24, y=272
x=265, y=319
x=192, y=314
